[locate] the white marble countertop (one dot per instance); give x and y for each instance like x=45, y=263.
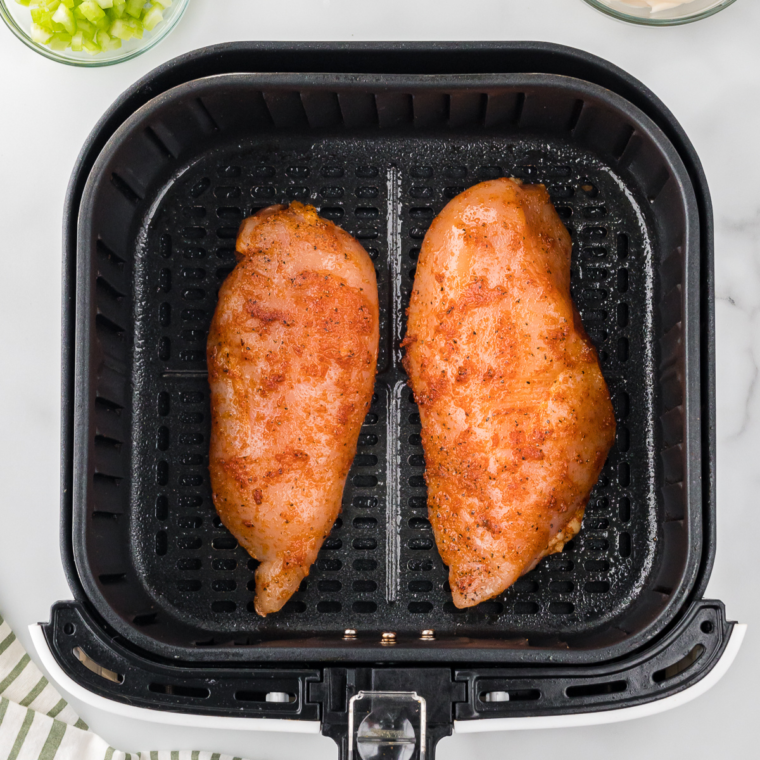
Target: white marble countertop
x=707, y=73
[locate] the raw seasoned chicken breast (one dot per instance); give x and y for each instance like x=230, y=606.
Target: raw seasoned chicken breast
x=291, y=357
x=516, y=416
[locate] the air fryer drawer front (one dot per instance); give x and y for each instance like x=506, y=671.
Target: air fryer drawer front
x=431, y=698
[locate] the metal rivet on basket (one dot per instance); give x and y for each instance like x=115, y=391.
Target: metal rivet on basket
x=428, y=635
x=388, y=638
x=349, y=634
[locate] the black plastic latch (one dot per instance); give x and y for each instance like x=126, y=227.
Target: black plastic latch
x=405, y=711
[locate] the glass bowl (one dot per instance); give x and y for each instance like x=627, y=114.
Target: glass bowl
x=19, y=20
x=680, y=14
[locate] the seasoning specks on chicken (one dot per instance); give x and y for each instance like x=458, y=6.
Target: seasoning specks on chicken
x=516, y=416
x=291, y=357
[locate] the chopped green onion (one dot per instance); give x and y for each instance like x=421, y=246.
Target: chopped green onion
x=94, y=26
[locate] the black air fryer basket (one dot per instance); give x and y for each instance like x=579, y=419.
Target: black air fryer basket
x=379, y=138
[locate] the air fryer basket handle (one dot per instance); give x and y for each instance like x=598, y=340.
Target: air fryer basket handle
x=349, y=747
x=366, y=708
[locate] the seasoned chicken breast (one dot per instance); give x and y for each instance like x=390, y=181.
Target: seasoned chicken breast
x=516, y=416
x=291, y=358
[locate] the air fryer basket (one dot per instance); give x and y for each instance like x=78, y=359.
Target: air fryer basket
x=381, y=156
x=163, y=591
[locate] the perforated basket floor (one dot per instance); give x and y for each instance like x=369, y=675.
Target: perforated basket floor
x=159, y=222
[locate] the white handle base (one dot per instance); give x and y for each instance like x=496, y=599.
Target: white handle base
x=227, y=723
x=58, y=676
x=613, y=716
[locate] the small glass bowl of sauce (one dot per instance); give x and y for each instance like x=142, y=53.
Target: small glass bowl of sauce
x=660, y=12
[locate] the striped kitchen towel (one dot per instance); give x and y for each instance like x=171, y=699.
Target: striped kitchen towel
x=37, y=724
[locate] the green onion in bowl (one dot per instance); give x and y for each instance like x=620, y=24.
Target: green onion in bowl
x=91, y=32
